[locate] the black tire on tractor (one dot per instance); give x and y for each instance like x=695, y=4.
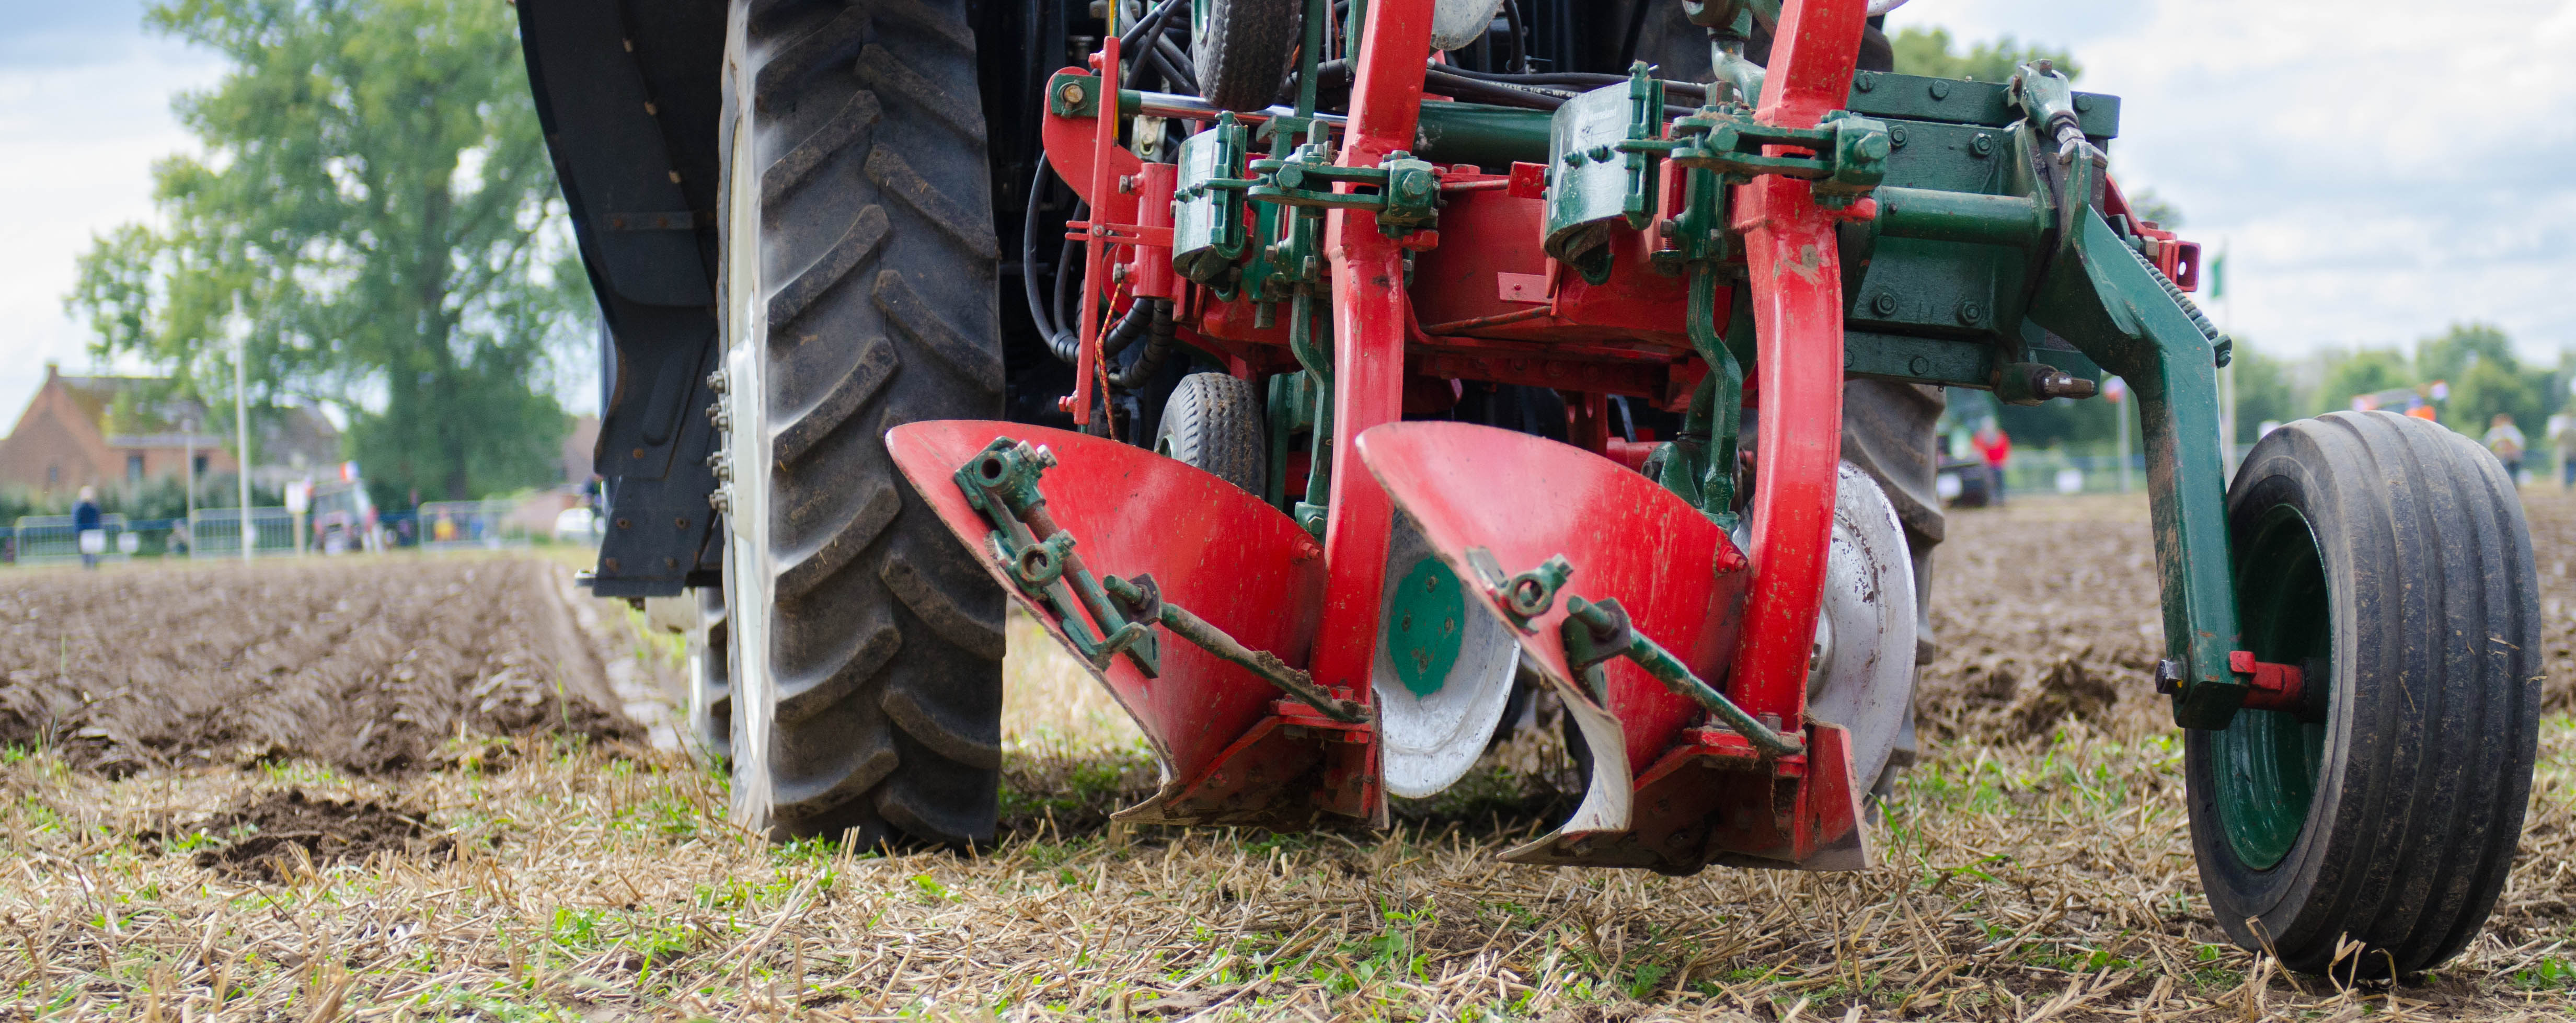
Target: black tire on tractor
x=710, y=652
x=2388, y=555
x=859, y=295
x=1213, y=422
x=1242, y=50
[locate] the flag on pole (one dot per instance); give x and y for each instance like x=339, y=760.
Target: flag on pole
x=2218, y=277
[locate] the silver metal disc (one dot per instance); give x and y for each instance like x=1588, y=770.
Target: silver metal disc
x=1431, y=739
x=1863, y=674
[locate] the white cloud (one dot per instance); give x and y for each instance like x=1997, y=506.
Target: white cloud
x=2375, y=171
x=84, y=113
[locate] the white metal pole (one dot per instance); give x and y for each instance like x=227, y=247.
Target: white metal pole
x=241, y=420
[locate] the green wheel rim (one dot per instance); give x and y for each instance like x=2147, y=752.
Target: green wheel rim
x=2267, y=762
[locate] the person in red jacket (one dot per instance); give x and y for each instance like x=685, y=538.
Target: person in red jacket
x=1996, y=447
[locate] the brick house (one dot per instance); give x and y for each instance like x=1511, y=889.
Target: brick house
x=112, y=432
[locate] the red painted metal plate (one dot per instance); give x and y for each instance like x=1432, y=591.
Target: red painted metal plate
x=1212, y=548
x=1527, y=499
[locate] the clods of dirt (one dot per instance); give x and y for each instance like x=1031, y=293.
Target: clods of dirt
x=371, y=665
x=275, y=836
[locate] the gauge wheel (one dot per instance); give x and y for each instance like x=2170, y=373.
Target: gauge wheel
x=2388, y=558
x=1242, y=49
x=1213, y=422
x=858, y=280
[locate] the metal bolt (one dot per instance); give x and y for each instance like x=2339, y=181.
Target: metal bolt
x=1884, y=304
x=680, y=523
x=1940, y=88
x=2168, y=677
x=1919, y=366
x=1073, y=93
x=1971, y=311
x=1865, y=81
x=1126, y=184
x=1982, y=145
x=2083, y=103
x=716, y=382
x=1896, y=136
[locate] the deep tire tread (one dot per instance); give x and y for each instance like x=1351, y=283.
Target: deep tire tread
x=878, y=631
x=2419, y=819
x=1214, y=422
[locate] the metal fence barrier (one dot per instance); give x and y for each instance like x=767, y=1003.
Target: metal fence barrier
x=217, y=533
x=470, y=525
x=51, y=540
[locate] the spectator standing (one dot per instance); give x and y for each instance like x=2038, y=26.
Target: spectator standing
x=85, y=527
x=1996, y=448
x=2507, y=443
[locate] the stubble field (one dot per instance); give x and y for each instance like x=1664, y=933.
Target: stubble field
x=420, y=789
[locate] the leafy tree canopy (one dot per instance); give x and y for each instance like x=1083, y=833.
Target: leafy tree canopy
x=376, y=196
x=1926, y=51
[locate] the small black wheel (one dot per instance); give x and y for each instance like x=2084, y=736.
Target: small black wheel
x=2389, y=556
x=1213, y=422
x=1242, y=50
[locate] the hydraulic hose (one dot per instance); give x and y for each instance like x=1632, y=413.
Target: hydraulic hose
x=1158, y=345
x=1038, y=312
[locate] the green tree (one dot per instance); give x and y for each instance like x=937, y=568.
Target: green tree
x=2357, y=373
x=2263, y=391
x=1922, y=51
x=376, y=198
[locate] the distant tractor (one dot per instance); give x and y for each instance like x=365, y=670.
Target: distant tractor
x=1330, y=377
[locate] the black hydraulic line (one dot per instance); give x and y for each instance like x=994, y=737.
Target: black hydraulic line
x=1131, y=327
x=1064, y=289
x=1059, y=342
x=1161, y=12
x=1158, y=347
x=1520, y=36
x=1174, y=64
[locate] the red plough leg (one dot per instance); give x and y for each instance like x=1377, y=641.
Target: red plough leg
x=1233, y=751
x=1495, y=504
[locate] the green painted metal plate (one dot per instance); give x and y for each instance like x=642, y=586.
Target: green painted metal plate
x=2266, y=762
x=1425, y=626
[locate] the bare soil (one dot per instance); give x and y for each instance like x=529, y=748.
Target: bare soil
x=275, y=836
x=371, y=665
x=509, y=856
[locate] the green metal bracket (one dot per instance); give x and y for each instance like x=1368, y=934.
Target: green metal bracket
x=1406, y=195
x=1849, y=152
x=1596, y=633
x=1598, y=176
x=1142, y=594
x=2102, y=298
x=1001, y=482
x=1207, y=203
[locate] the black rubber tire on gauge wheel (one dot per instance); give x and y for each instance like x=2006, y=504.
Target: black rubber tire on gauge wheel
x=2389, y=556
x=859, y=283
x=1242, y=51
x=1213, y=422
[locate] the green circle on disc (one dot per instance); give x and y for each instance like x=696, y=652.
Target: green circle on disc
x=1425, y=626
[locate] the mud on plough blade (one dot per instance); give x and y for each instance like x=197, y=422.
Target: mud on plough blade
x=1726, y=614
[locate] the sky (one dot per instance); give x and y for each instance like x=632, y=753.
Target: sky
x=2374, y=172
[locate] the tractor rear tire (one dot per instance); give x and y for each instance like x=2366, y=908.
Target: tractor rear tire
x=2389, y=556
x=1213, y=422
x=858, y=281
x=1242, y=52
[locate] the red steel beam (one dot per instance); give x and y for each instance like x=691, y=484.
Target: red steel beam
x=1369, y=316
x=1797, y=314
